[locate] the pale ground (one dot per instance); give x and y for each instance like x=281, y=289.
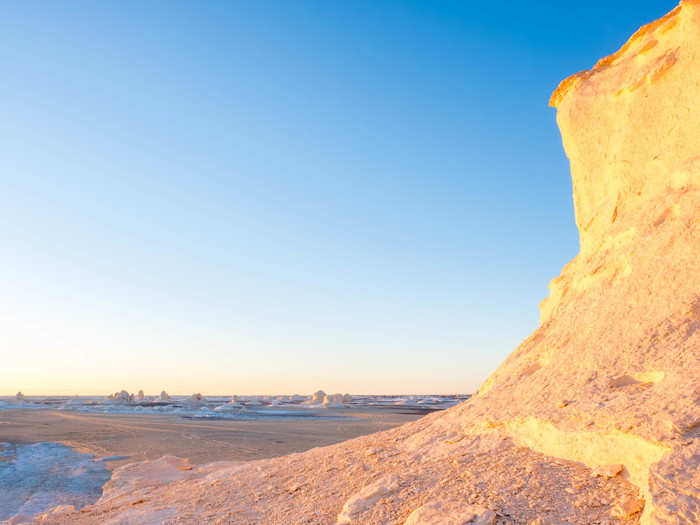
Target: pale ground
x=382, y=478
x=594, y=418
x=140, y=437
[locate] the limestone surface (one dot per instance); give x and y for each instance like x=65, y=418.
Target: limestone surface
x=594, y=418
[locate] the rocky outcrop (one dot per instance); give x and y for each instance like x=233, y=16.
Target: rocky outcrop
x=594, y=418
x=121, y=397
x=613, y=372
x=195, y=399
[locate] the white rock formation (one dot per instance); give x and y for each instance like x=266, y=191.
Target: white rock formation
x=232, y=406
x=316, y=398
x=333, y=401
x=121, y=397
x=196, y=399
x=164, y=396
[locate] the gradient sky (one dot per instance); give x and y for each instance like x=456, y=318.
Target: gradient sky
x=275, y=197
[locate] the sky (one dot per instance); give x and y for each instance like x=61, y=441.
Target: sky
x=276, y=197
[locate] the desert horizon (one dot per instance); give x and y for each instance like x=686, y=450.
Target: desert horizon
x=226, y=198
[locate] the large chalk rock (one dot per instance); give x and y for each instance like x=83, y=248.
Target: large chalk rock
x=613, y=373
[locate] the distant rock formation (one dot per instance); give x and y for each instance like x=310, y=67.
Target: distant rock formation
x=121, y=397
x=235, y=405
x=336, y=400
x=196, y=399
x=124, y=397
x=316, y=398
x=594, y=418
x=164, y=396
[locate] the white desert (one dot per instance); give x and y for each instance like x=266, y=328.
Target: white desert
x=594, y=418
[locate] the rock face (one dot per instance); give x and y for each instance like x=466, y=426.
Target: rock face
x=618, y=347
x=596, y=416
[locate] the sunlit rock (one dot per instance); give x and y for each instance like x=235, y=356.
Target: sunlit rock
x=121, y=397
x=232, y=406
x=366, y=498
x=450, y=512
x=196, y=399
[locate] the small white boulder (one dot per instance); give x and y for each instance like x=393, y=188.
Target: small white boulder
x=366, y=498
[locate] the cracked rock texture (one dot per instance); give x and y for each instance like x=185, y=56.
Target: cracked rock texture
x=594, y=418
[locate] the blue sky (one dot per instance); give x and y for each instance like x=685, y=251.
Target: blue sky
x=276, y=197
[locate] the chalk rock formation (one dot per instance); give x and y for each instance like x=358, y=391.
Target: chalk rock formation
x=164, y=396
x=196, y=399
x=594, y=418
x=121, y=397
x=251, y=401
x=316, y=398
x=234, y=405
x=613, y=373
x=334, y=401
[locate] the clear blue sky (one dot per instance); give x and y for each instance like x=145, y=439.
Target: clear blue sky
x=275, y=197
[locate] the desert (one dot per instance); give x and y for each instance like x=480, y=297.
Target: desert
x=593, y=419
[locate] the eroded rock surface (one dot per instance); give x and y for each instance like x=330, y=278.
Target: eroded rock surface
x=594, y=418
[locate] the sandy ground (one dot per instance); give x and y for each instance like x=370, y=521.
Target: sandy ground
x=140, y=437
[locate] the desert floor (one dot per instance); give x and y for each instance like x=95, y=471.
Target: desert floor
x=138, y=437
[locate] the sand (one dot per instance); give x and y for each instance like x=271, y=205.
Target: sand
x=141, y=437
